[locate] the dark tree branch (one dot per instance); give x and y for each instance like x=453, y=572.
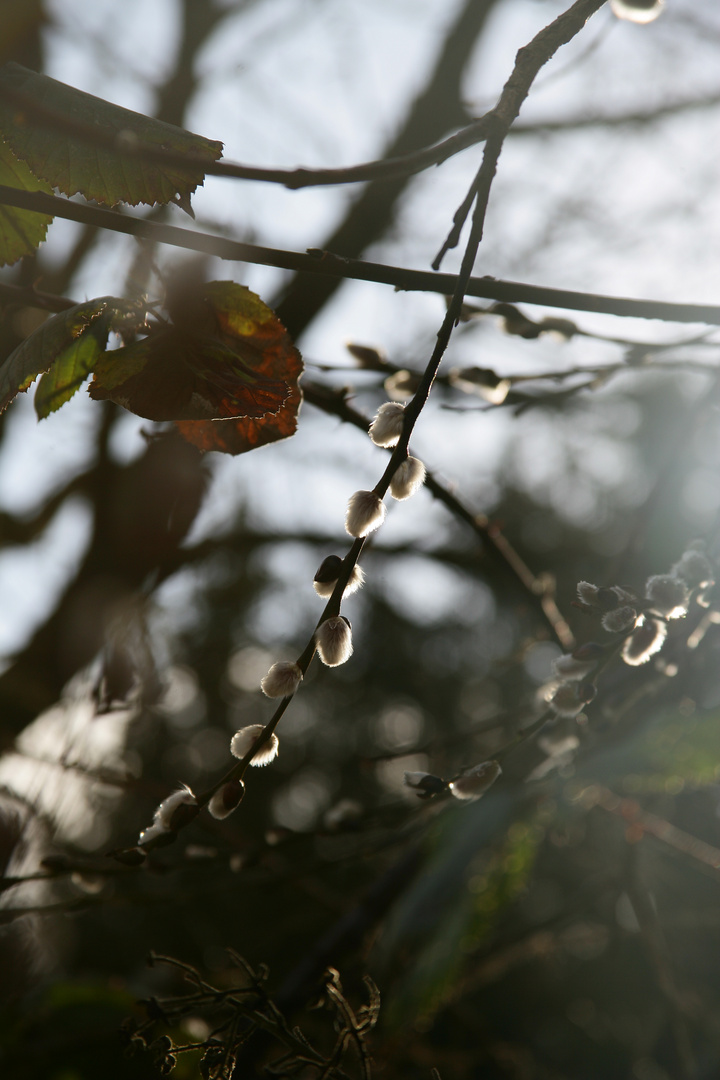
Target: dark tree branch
x=325, y=263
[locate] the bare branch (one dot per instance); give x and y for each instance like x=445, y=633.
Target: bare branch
x=325, y=263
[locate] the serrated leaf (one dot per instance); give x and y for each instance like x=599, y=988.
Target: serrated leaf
x=175, y=376
x=20, y=230
x=239, y=436
x=226, y=371
x=67, y=374
x=242, y=320
x=42, y=348
x=110, y=170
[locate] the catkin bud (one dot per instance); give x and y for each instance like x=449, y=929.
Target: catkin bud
x=329, y=571
x=603, y=597
x=387, y=426
x=226, y=799
x=333, y=639
x=365, y=513
x=566, y=701
x=586, y=692
x=166, y=812
x=244, y=739
x=402, y=384
x=619, y=620
x=368, y=356
x=646, y=639
x=481, y=381
x=475, y=782
x=153, y=834
x=693, y=568
x=587, y=593
x=282, y=680
x=637, y=11
x=668, y=595
x=407, y=479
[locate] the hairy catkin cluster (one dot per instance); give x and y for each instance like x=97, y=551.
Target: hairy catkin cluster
x=644, y=619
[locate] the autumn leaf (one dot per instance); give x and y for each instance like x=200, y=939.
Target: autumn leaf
x=239, y=436
x=240, y=315
x=80, y=143
x=20, y=230
x=226, y=371
x=175, y=376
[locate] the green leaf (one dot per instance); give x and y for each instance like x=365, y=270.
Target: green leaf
x=80, y=143
x=67, y=374
x=20, y=230
x=49, y=342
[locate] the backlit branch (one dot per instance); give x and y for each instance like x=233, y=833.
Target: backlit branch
x=327, y=264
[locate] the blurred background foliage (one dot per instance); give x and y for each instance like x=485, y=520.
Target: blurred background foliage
x=564, y=926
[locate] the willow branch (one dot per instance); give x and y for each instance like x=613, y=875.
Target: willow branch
x=528, y=62
x=538, y=590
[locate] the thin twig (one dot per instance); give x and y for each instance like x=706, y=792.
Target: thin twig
x=48, y=118
x=528, y=62
x=324, y=262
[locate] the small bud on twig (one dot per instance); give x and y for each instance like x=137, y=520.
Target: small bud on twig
x=282, y=680
x=566, y=701
x=603, y=598
x=386, y=428
x=402, y=384
x=587, y=593
x=637, y=11
x=226, y=800
x=172, y=814
x=694, y=568
x=334, y=641
x=328, y=573
x=244, y=739
x=646, y=639
x=365, y=513
x=165, y=812
x=368, y=356
x=668, y=595
x=619, y=620
x=475, y=782
x=155, y=835
x=408, y=478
